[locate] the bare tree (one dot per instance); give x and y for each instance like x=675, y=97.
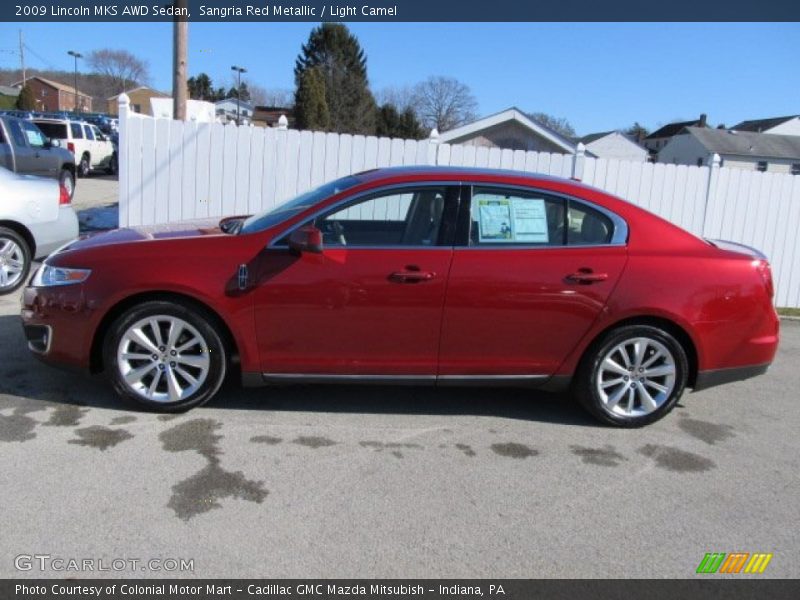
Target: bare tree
x=401, y=97
x=444, y=103
x=558, y=124
x=261, y=96
x=120, y=66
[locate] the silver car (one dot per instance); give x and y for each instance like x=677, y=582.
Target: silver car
x=36, y=217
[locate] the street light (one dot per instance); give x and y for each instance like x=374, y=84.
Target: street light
x=77, y=55
x=239, y=71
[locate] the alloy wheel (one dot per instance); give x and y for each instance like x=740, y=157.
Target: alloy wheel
x=12, y=263
x=163, y=359
x=635, y=377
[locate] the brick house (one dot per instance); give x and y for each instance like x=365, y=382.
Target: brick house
x=53, y=96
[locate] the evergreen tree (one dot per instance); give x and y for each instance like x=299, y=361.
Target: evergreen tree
x=311, y=107
x=338, y=56
x=392, y=123
x=26, y=99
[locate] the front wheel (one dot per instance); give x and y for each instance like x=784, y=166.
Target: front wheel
x=634, y=376
x=166, y=356
x=15, y=260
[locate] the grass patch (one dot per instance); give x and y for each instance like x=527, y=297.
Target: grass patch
x=789, y=312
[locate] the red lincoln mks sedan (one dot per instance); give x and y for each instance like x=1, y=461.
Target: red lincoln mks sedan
x=418, y=276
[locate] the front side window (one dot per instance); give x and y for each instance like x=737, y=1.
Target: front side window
x=511, y=217
x=89, y=133
x=17, y=134
x=400, y=217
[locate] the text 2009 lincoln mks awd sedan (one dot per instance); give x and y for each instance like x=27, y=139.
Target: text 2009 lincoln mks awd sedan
x=418, y=276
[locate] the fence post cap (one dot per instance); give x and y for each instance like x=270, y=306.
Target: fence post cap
x=580, y=148
x=434, y=137
x=283, y=122
x=715, y=160
x=123, y=99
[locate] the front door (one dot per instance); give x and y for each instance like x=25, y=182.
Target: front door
x=371, y=303
x=526, y=283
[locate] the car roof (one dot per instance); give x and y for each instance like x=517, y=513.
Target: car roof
x=451, y=173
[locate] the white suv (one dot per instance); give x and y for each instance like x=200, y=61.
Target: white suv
x=90, y=146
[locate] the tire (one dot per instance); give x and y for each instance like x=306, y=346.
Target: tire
x=113, y=165
x=15, y=261
x=85, y=166
x=131, y=345
x=67, y=179
x=632, y=376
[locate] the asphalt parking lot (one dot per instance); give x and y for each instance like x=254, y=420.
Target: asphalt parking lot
x=393, y=482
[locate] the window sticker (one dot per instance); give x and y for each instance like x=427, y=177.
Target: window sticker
x=512, y=220
x=34, y=137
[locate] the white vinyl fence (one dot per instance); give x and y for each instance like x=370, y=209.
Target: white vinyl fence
x=176, y=171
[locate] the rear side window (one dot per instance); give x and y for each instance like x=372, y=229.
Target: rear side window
x=89, y=134
x=587, y=226
x=511, y=217
x=56, y=131
x=77, y=131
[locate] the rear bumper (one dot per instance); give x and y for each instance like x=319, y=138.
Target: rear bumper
x=707, y=379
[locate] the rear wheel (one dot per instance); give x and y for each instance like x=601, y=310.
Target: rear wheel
x=634, y=376
x=113, y=165
x=67, y=179
x=166, y=356
x=85, y=166
x=15, y=260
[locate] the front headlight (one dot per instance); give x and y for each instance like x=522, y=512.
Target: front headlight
x=48, y=276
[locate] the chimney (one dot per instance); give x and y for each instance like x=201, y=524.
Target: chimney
x=703, y=118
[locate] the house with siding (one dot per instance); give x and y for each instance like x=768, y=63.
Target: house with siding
x=776, y=125
x=510, y=129
x=737, y=149
x=614, y=144
x=662, y=136
x=139, y=100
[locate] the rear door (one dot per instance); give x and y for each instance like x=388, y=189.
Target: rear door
x=45, y=161
x=530, y=274
x=370, y=305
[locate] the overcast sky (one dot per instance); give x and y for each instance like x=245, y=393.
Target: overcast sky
x=599, y=76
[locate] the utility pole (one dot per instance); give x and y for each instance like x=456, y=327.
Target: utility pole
x=76, y=55
x=22, y=59
x=239, y=71
x=180, y=62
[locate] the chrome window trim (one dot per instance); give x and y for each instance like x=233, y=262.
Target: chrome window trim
x=352, y=200
x=619, y=238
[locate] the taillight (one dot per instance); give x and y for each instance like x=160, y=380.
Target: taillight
x=63, y=195
x=71, y=147
x=765, y=271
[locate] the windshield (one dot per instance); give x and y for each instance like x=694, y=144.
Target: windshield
x=287, y=210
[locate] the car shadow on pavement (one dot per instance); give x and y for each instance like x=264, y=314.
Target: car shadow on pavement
x=506, y=402
x=25, y=380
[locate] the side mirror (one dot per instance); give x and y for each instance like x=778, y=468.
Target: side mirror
x=306, y=239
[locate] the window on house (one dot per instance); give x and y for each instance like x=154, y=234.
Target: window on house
x=796, y=169
x=700, y=162
x=761, y=166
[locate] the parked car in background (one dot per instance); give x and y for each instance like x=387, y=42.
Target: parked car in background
x=36, y=217
x=25, y=149
x=417, y=275
x=90, y=147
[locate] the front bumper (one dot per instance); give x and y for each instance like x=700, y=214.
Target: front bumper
x=57, y=325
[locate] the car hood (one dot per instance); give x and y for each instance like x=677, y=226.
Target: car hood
x=151, y=233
